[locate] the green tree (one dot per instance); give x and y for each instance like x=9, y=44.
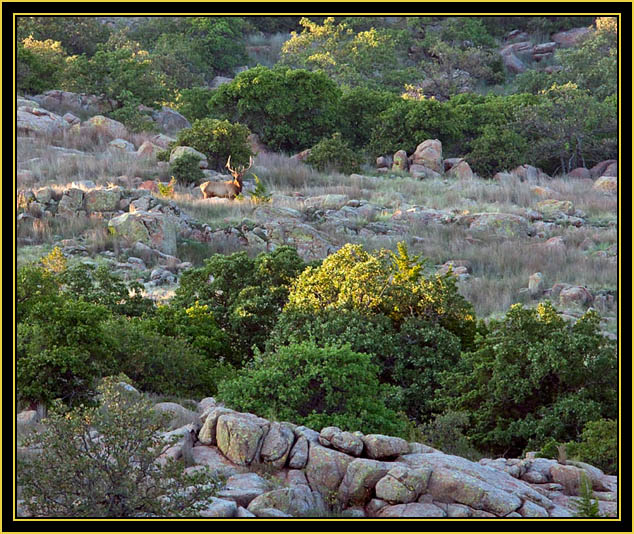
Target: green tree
x=40, y=65
x=334, y=154
x=289, y=109
x=186, y=169
x=532, y=377
x=316, y=387
x=102, y=462
x=218, y=140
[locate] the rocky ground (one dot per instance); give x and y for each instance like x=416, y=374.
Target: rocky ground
x=280, y=470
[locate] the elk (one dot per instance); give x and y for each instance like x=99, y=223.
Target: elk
x=229, y=189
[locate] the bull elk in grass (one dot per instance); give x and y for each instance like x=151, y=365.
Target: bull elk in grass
x=229, y=189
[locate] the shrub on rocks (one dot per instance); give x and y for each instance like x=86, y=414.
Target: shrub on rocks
x=186, y=169
x=334, y=154
x=318, y=387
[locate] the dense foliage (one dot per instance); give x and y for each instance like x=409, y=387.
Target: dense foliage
x=334, y=154
x=314, y=386
x=217, y=140
x=186, y=169
x=532, y=377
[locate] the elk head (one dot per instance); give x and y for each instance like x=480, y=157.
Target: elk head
x=239, y=172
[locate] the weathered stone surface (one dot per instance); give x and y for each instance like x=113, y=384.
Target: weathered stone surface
x=530, y=509
x=511, y=61
x=179, y=415
x=402, y=484
x=240, y=436
x=179, y=151
x=38, y=121
x=606, y=184
x=102, y=199
x=298, y=455
x=218, y=464
x=272, y=513
x=423, y=172
x=148, y=149
x=63, y=101
x=569, y=38
x=536, y=284
x=326, y=468
x=220, y=508
x=411, y=510
x=552, y=208
x=157, y=230
x=277, y=445
x=360, y=478
x=329, y=202
x=568, y=476
x=207, y=434
x=501, y=223
x=400, y=161
x=169, y=120
x=103, y=125
x=297, y=501
x=528, y=173
x=580, y=172
x=243, y=512
x=244, y=488
x=576, y=296
x=461, y=171
x=122, y=145
x=343, y=441
x=295, y=477
x=429, y=154
x=379, y=447
x=458, y=510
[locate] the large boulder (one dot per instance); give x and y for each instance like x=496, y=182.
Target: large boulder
x=122, y=145
x=606, y=184
x=510, y=60
x=571, y=37
x=102, y=125
x=65, y=101
x=402, y=484
x=411, y=510
x=551, y=208
x=600, y=168
x=528, y=173
x=576, y=297
x=277, y=445
x=169, y=120
x=296, y=501
x=379, y=447
x=347, y=442
x=429, y=154
x=212, y=459
x=580, y=172
x=460, y=170
x=240, y=437
x=326, y=468
x=401, y=163
x=359, y=480
x=156, y=230
x=243, y=488
x=207, y=434
x=500, y=223
x=219, y=508
x=102, y=199
x=38, y=121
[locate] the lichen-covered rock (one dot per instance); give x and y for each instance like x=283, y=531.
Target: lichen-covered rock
x=400, y=161
x=380, y=447
x=240, y=436
x=156, y=230
x=122, y=145
x=606, y=184
x=277, y=445
x=298, y=455
x=347, y=442
x=214, y=460
x=461, y=171
x=244, y=488
x=530, y=509
x=411, y=510
x=429, y=154
x=568, y=476
x=38, y=121
x=506, y=224
x=148, y=149
x=422, y=172
x=329, y=202
x=326, y=468
x=219, y=508
x=169, y=120
x=103, y=125
x=179, y=415
x=179, y=151
x=402, y=484
x=360, y=479
x=102, y=199
x=576, y=296
x=552, y=208
x=296, y=501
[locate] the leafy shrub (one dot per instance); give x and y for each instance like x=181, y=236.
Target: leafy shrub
x=586, y=506
x=358, y=113
x=316, y=387
x=101, y=462
x=289, y=109
x=407, y=123
x=192, y=103
x=383, y=283
x=245, y=295
x=77, y=35
x=217, y=140
x=598, y=445
x=333, y=154
x=260, y=193
x=40, y=65
x=61, y=351
x=186, y=169
x=33, y=285
x=532, y=377
x=446, y=433
x=456, y=30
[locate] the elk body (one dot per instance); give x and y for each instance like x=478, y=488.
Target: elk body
x=229, y=189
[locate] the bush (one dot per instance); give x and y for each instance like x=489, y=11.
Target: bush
x=316, y=387
x=383, y=283
x=102, y=462
x=186, y=169
x=192, y=103
x=40, y=65
x=289, y=109
x=532, y=377
x=218, y=140
x=598, y=445
x=334, y=154
x=446, y=433
x=245, y=295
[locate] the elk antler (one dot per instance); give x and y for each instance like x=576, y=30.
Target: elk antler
x=240, y=171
